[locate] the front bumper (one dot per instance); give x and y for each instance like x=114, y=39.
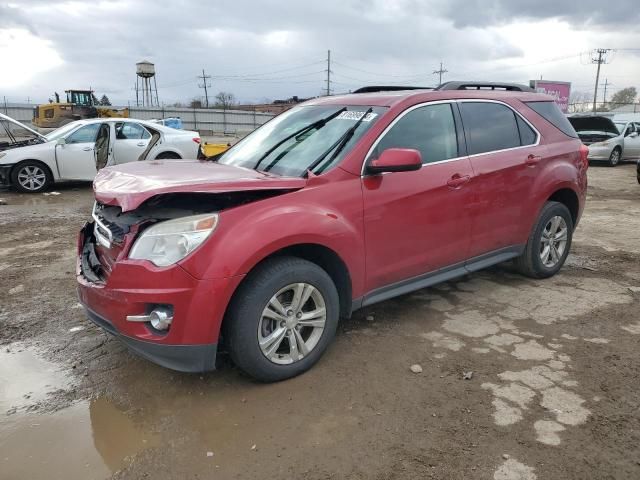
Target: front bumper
x=133, y=287
x=5, y=175
x=183, y=358
x=598, y=153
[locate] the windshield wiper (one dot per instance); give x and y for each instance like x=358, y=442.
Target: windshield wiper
x=315, y=125
x=339, y=144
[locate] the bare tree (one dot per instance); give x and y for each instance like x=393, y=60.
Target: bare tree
x=225, y=100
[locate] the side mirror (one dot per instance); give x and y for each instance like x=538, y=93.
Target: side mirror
x=396, y=160
x=61, y=141
x=633, y=134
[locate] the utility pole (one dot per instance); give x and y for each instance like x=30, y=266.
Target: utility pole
x=328, y=72
x=440, y=72
x=599, y=60
x=204, y=85
x=604, y=96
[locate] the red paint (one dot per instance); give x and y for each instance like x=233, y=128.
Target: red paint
x=386, y=228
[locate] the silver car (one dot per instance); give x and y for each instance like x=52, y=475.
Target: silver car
x=608, y=140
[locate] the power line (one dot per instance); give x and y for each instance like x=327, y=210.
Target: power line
x=204, y=85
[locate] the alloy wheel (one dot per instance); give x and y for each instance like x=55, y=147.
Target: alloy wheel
x=292, y=323
x=32, y=177
x=615, y=157
x=554, y=241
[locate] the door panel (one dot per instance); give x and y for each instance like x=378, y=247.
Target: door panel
x=415, y=222
x=505, y=161
x=76, y=159
x=131, y=140
x=632, y=144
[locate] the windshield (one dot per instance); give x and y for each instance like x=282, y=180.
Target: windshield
x=268, y=149
x=62, y=131
x=620, y=126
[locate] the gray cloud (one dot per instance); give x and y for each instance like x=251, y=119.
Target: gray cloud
x=240, y=42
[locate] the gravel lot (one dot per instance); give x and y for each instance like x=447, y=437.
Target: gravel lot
x=553, y=392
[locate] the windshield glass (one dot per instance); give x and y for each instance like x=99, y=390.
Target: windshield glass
x=62, y=131
x=295, y=155
x=620, y=126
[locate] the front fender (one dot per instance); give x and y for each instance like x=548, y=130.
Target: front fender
x=246, y=235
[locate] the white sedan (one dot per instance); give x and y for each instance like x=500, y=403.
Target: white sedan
x=79, y=149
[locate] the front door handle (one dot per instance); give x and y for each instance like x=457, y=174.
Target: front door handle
x=141, y=144
x=87, y=149
x=457, y=180
x=532, y=160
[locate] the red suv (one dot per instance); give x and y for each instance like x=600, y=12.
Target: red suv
x=335, y=204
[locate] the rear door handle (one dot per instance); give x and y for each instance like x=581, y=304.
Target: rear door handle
x=87, y=149
x=532, y=160
x=141, y=144
x=457, y=180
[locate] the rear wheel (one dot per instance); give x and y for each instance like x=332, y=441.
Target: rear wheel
x=614, y=158
x=282, y=319
x=549, y=242
x=31, y=177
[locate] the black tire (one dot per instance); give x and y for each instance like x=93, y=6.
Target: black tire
x=245, y=312
x=615, y=157
x=530, y=262
x=168, y=156
x=28, y=167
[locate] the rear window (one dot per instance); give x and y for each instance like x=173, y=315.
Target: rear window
x=552, y=114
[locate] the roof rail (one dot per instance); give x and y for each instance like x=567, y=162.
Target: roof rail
x=388, y=88
x=510, y=87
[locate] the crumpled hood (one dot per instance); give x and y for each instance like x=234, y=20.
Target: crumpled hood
x=131, y=184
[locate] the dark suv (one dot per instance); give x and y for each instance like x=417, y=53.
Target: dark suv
x=336, y=204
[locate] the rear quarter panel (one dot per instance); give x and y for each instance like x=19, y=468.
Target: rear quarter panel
x=561, y=168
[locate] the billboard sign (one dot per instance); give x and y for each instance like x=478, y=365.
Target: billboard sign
x=558, y=90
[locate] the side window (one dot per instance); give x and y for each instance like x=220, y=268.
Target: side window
x=131, y=131
x=84, y=134
x=489, y=127
x=430, y=129
x=527, y=135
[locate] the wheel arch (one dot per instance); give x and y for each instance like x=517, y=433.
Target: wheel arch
x=325, y=258
x=569, y=198
x=35, y=160
x=174, y=154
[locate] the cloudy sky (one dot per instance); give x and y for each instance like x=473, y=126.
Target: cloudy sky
x=272, y=49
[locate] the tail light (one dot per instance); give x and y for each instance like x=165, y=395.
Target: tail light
x=196, y=139
x=584, y=156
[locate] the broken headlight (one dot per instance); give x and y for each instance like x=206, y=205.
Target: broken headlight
x=168, y=242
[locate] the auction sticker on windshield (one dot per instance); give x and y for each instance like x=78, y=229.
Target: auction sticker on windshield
x=353, y=115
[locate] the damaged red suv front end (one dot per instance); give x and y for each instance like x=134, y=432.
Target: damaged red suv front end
x=165, y=313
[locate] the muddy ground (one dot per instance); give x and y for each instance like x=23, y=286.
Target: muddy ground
x=554, y=394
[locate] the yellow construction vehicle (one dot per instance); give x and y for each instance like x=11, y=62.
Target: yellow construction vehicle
x=80, y=104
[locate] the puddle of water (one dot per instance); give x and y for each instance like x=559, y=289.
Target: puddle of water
x=26, y=379
x=87, y=440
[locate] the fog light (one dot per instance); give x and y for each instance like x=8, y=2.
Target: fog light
x=160, y=319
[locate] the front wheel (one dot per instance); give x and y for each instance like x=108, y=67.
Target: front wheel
x=31, y=177
x=549, y=242
x=282, y=319
x=614, y=158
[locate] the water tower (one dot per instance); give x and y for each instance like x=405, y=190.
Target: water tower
x=146, y=93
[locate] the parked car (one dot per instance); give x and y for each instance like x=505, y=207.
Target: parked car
x=79, y=149
x=608, y=140
x=14, y=134
x=333, y=205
